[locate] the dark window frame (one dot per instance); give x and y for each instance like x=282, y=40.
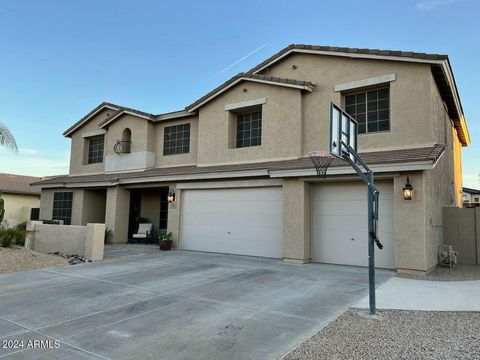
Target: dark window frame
x=96, y=148
x=248, y=128
x=371, y=109
x=176, y=139
x=62, y=206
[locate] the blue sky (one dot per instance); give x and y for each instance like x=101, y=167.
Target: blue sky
x=59, y=59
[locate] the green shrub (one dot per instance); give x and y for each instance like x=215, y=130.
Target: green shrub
x=108, y=234
x=22, y=226
x=164, y=236
x=20, y=236
x=7, y=237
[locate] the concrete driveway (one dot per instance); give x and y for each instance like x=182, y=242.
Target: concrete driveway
x=174, y=305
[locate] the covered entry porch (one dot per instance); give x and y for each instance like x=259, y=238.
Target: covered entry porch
x=128, y=207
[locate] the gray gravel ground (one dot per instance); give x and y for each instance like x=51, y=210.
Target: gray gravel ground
x=21, y=259
x=396, y=334
x=458, y=273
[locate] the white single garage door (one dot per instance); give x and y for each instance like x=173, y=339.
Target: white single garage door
x=233, y=221
x=340, y=224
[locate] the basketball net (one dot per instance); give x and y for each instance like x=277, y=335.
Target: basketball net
x=321, y=160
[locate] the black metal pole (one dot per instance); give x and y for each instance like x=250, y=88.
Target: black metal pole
x=371, y=244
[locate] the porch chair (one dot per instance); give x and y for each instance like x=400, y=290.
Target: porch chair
x=144, y=232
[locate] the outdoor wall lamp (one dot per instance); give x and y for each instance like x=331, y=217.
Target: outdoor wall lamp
x=171, y=196
x=408, y=190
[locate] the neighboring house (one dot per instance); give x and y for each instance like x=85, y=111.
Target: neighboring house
x=22, y=202
x=235, y=160
x=471, y=197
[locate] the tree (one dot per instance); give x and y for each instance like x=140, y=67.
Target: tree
x=6, y=139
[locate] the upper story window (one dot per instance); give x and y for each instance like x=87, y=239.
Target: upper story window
x=249, y=129
x=371, y=109
x=95, y=149
x=176, y=139
x=62, y=207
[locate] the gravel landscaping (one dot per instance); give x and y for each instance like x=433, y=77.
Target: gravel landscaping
x=395, y=334
x=458, y=273
x=20, y=259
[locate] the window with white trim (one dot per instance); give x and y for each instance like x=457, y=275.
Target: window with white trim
x=249, y=129
x=371, y=108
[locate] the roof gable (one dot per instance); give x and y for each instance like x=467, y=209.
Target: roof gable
x=440, y=65
x=91, y=114
x=296, y=84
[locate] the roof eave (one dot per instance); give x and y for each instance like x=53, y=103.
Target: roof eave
x=99, y=108
x=120, y=114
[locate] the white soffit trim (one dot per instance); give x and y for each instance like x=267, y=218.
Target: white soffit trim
x=93, y=133
x=212, y=175
x=245, y=104
x=74, y=185
x=230, y=184
x=366, y=82
x=394, y=167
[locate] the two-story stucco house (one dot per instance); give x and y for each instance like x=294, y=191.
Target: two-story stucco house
x=235, y=160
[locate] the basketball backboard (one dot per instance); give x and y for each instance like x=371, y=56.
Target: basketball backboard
x=342, y=128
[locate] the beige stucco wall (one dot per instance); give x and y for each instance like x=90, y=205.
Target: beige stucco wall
x=281, y=125
x=94, y=205
x=410, y=247
x=173, y=223
x=150, y=206
x=141, y=141
x=87, y=241
x=17, y=207
x=116, y=214
x=79, y=146
x=409, y=98
x=296, y=221
x=46, y=204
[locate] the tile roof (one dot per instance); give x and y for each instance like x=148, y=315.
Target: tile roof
x=471, y=191
x=249, y=76
x=361, y=51
x=432, y=153
x=18, y=184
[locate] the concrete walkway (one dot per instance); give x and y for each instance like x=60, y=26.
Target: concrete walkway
x=410, y=294
x=175, y=305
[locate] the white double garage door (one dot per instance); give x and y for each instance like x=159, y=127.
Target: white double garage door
x=249, y=221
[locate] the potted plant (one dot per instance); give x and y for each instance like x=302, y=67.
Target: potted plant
x=165, y=240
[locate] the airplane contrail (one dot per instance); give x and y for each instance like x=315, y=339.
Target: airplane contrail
x=235, y=62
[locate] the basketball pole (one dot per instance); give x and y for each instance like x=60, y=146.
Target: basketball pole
x=373, y=194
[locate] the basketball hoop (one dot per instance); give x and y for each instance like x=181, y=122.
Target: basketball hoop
x=321, y=160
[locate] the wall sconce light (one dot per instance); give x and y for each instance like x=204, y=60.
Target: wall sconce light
x=171, y=196
x=408, y=190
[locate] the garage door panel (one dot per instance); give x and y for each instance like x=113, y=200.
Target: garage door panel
x=333, y=208
x=237, y=195
x=236, y=207
x=259, y=233
x=236, y=221
x=340, y=214
x=233, y=220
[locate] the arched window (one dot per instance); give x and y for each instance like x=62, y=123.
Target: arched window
x=126, y=140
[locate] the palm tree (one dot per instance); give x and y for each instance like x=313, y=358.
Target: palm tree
x=7, y=139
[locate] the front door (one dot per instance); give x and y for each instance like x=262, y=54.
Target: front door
x=134, y=212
